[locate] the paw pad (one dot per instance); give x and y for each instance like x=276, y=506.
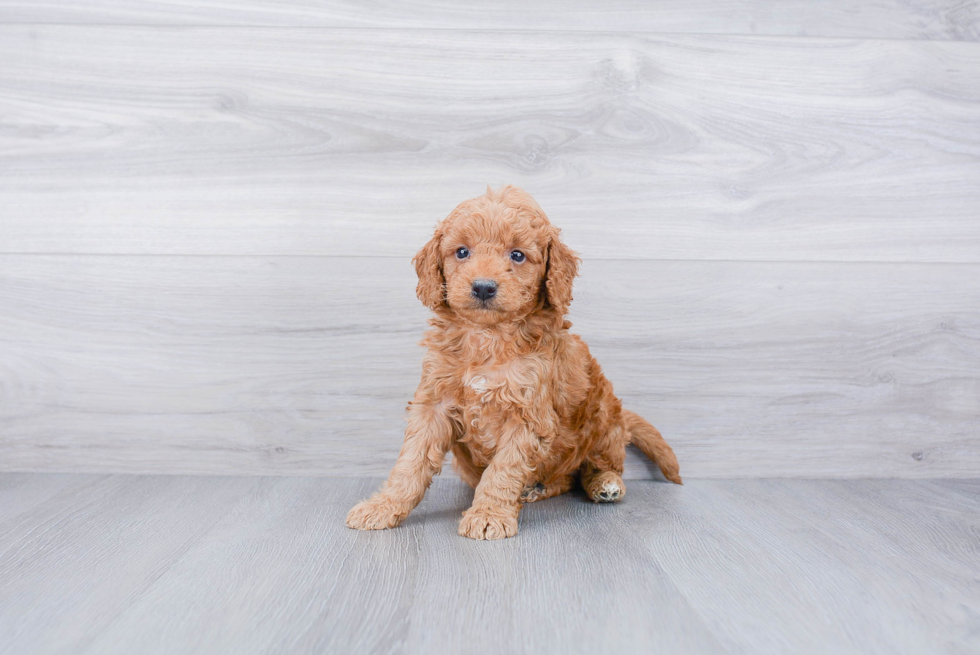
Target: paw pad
x=609, y=493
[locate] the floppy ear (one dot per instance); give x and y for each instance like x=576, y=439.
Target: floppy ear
x=431, y=289
x=560, y=272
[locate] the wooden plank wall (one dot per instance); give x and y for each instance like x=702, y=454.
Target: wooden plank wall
x=207, y=213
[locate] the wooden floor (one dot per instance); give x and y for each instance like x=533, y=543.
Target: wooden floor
x=167, y=564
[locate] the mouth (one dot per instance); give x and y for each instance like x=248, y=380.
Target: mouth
x=484, y=305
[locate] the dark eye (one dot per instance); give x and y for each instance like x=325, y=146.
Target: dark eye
x=462, y=253
x=517, y=256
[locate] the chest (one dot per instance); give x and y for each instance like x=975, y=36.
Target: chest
x=512, y=384
x=490, y=395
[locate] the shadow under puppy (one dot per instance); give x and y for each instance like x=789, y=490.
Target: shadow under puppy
x=520, y=401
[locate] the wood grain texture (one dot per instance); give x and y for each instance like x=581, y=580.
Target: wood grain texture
x=285, y=558
x=20, y=492
x=819, y=562
x=284, y=141
x=303, y=365
x=921, y=19
x=68, y=567
x=575, y=580
x=160, y=564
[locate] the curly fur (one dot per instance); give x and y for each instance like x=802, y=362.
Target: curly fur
x=518, y=399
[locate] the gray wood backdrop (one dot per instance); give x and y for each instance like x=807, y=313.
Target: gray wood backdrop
x=207, y=212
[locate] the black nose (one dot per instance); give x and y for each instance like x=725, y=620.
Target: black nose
x=484, y=289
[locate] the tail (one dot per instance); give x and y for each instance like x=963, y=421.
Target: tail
x=648, y=439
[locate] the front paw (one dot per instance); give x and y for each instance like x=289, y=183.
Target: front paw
x=481, y=524
x=374, y=514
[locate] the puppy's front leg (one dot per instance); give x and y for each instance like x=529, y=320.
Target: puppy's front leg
x=428, y=437
x=497, y=501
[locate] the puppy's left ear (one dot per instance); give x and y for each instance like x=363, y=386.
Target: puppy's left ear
x=561, y=271
x=431, y=289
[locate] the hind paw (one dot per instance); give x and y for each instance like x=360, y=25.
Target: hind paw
x=606, y=487
x=531, y=494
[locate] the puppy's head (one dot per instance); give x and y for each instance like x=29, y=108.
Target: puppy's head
x=496, y=258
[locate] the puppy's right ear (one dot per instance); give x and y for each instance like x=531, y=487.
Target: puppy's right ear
x=561, y=271
x=431, y=289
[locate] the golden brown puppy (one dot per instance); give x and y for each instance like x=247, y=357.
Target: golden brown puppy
x=520, y=401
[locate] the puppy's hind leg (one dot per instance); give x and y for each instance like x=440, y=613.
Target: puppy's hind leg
x=602, y=486
x=602, y=470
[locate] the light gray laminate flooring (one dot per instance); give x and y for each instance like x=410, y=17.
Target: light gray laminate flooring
x=169, y=564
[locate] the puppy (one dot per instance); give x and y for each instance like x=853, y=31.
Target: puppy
x=518, y=399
